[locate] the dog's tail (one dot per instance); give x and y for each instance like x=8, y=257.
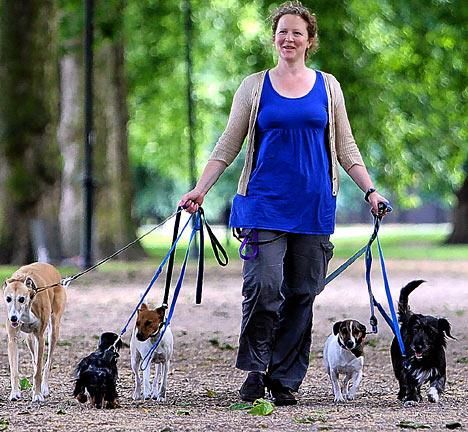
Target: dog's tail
x=403, y=307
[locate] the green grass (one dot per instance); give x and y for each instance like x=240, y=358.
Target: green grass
x=406, y=244
x=398, y=242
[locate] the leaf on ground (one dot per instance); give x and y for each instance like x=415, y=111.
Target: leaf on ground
x=61, y=411
x=317, y=416
x=261, y=407
x=406, y=424
x=183, y=412
x=453, y=425
x=210, y=393
x=4, y=423
x=25, y=384
x=240, y=406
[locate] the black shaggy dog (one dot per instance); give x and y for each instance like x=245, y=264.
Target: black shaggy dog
x=97, y=374
x=424, y=337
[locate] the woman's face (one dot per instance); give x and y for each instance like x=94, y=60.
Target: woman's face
x=291, y=38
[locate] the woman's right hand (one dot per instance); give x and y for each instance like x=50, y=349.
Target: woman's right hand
x=192, y=200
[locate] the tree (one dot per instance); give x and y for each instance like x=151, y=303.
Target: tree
x=31, y=164
x=113, y=223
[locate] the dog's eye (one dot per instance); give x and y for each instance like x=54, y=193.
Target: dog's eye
x=8, y=299
x=21, y=299
x=148, y=323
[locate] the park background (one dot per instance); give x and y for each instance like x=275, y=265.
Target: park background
x=163, y=79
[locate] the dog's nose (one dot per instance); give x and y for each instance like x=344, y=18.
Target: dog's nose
x=14, y=318
x=349, y=344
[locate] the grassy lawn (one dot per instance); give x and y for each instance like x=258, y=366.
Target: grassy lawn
x=415, y=242
x=398, y=242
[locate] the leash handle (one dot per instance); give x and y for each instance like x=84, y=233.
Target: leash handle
x=201, y=258
x=170, y=264
x=251, y=238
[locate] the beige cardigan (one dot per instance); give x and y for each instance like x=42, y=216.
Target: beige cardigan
x=243, y=116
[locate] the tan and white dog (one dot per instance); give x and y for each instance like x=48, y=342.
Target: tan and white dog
x=145, y=334
x=32, y=311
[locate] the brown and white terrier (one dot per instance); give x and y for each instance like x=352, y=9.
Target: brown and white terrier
x=147, y=329
x=343, y=354
x=32, y=310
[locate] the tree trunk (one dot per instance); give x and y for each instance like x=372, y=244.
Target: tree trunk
x=70, y=136
x=460, y=216
x=113, y=221
x=28, y=117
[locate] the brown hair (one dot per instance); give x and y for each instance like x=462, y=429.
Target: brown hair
x=297, y=8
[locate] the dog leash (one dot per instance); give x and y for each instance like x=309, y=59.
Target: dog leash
x=199, y=225
x=147, y=359
x=68, y=280
x=155, y=276
x=367, y=249
x=383, y=208
x=392, y=320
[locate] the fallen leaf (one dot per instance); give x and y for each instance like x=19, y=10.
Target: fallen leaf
x=406, y=424
x=240, y=406
x=453, y=425
x=261, y=407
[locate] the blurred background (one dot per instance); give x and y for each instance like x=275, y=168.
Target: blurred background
x=162, y=75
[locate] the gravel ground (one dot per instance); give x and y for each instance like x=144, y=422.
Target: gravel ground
x=203, y=381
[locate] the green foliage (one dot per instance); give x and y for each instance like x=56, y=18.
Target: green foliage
x=25, y=384
x=261, y=407
x=402, y=74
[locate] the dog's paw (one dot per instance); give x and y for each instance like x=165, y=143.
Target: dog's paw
x=45, y=390
x=15, y=395
x=351, y=396
x=81, y=397
x=38, y=397
x=410, y=403
x=136, y=395
x=339, y=399
x=433, y=395
x=159, y=398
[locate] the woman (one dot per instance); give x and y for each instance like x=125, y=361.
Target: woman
x=297, y=132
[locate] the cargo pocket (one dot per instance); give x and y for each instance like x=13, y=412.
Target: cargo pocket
x=327, y=249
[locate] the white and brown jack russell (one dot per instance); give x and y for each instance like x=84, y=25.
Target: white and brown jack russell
x=145, y=334
x=343, y=354
x=32, y=310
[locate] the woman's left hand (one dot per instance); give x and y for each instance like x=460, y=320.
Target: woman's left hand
x=374, y=200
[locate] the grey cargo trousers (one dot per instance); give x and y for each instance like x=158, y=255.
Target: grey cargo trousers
x=279, y=289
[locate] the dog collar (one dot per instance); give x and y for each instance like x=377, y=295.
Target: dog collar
x=357, y=350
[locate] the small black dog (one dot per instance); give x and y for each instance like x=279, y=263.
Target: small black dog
x=424, y=337
x=97, y=374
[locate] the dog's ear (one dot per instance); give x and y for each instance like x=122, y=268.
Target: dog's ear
x=161, y=311
x=444, y=326
x=143, y=307
x=336, y=327
x=363, y=330
x=30, y=284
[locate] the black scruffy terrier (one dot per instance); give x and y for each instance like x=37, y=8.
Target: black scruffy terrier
x=424, y=337
x=96, y=374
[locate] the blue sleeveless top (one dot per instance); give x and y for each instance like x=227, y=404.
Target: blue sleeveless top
x=290, y=187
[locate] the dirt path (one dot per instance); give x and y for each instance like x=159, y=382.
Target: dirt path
x=203, y=382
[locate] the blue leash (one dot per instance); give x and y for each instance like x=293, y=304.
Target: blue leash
x=367, y=249
x=147, y=359
x=155, y=277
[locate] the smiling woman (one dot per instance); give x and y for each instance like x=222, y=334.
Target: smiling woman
x=297, y=132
